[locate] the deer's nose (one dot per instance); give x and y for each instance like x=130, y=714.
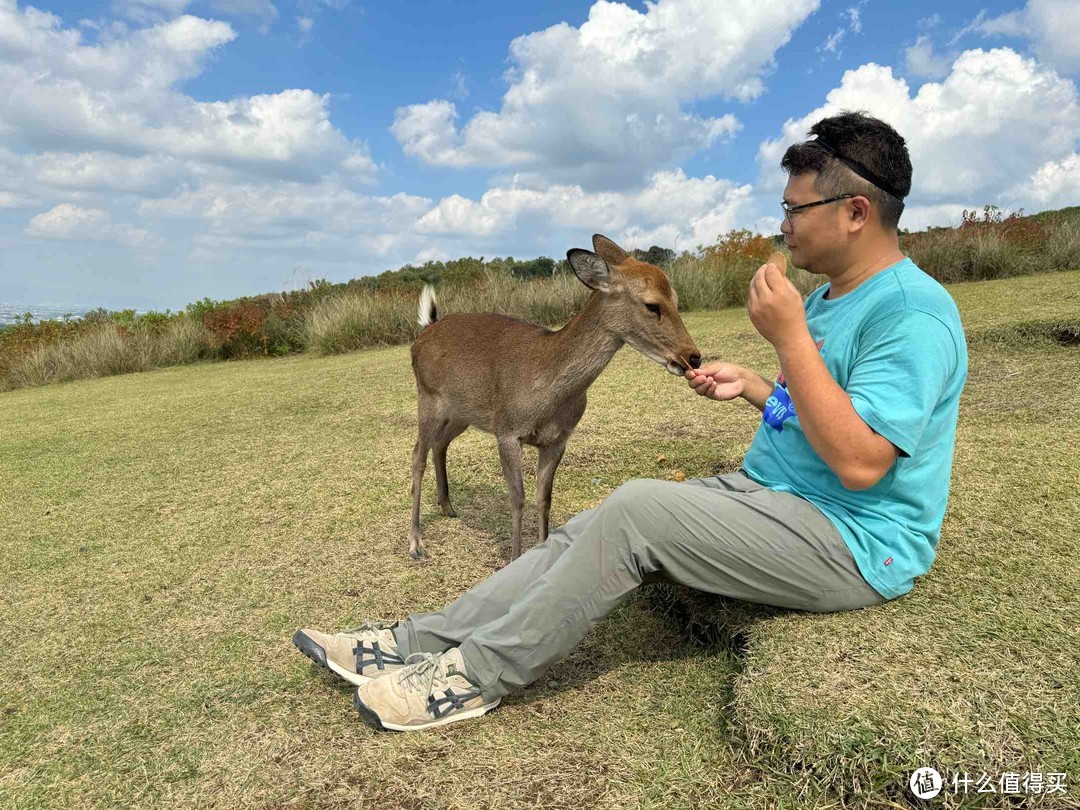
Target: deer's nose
x=695, y=360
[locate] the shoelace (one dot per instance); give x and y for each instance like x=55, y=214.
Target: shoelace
x=421, y=672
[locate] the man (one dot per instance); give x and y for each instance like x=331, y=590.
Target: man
x=837, y=506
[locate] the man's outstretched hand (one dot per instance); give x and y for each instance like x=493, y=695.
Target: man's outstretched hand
x=719, y=381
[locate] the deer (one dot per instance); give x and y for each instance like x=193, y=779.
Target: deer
x=527, y=384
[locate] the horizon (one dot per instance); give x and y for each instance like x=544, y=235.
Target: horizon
x=157, y=152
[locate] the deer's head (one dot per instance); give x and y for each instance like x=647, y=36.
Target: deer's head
x=638, y=304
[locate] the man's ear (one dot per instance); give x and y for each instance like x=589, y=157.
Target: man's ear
x=608, y=250
x=860, y=212
x=590, y=269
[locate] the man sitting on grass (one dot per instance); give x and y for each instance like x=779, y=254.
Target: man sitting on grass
x=838, y=503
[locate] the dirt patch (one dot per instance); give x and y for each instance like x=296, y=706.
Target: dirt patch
x=1029, y=333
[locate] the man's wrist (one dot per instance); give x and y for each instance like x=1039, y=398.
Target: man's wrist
x=756, y=389
x=794, y=341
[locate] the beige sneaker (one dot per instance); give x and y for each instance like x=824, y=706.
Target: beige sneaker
x=357, y=655
x=432, y=689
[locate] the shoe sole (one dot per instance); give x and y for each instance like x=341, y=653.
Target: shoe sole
x=316, y=653
x=372, y=719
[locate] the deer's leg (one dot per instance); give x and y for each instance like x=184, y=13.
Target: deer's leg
x=548, y=462
x=510, y=456
x=419, y=462
x=438, y=455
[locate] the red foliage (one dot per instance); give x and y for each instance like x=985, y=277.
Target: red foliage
x=740, y=245
x=1014, y=228
x=236, y=328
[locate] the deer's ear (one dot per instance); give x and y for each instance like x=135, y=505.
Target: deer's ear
x=611, y=253
x=590, y=269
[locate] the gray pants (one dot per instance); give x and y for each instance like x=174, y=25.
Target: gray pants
x=725, y=535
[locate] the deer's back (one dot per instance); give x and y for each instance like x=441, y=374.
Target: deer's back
x=480, y=365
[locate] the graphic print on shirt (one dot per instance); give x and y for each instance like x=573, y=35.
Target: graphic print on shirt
x=779, y=407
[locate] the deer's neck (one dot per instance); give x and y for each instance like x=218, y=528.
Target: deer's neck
x=581, y=350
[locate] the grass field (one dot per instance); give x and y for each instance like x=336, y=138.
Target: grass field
x=164, y=533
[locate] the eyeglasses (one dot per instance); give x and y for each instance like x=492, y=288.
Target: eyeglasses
x=794, y=209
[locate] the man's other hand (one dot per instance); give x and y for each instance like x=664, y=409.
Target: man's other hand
x=719, y=381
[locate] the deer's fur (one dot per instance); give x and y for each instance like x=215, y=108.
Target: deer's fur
x=526, y=384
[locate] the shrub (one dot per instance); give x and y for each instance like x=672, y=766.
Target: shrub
x=103, y=349
x=236, y=328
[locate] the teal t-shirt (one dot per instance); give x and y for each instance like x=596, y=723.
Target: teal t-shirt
x=896, y=346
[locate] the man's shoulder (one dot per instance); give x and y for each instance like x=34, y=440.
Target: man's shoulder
x=908, y=291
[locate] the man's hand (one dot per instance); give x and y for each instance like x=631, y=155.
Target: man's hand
x=775, y=305
x=719, y=381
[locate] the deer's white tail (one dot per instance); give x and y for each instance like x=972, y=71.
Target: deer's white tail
x=428, y=312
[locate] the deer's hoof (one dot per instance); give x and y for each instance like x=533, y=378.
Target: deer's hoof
x=449, y=511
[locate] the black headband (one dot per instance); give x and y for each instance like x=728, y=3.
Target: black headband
x=858, y=168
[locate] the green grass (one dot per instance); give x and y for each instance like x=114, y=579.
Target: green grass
x=165, y=533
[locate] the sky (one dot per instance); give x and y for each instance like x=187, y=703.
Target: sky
x=156, y=152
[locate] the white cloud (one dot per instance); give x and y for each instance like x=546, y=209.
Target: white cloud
x=1051, y=25
x=11, y=199
x=919, y=217
x=602, y=104
x=460, y=90
x=852, y=17
x=832, y=42
x=923, y=62
x=70, y=222
x=431, y=254
x=854, y=14
x=1054, y=185
x=60, y=173
x=970, y=136
x=288, y=209
x=119, y=96
x=670, y=206
x=331, y=222
x=261, y=11
x=150, y=11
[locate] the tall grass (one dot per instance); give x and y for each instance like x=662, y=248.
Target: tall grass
x=994, y=245
x=353, y=320
x=331, y=318
x=107, y=349
x=714, y=283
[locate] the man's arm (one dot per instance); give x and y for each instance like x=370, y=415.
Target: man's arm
x=849, y=446
x=756, y=389
x=858, y=455
x=726, y=381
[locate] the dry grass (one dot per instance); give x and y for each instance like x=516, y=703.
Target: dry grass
x=165, y=533
x=104, y=351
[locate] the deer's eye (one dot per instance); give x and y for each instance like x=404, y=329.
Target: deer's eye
x=653, y=308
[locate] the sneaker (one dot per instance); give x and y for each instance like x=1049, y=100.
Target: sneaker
x=432, y=689
x=357, y=655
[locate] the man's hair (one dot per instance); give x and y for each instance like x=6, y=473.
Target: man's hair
x=866, y=140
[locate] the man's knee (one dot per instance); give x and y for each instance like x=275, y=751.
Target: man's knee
x=638, y=493
x=638, y=510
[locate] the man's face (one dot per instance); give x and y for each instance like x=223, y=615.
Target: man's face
x=816, y=236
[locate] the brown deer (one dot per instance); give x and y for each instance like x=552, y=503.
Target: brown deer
x=526, y=384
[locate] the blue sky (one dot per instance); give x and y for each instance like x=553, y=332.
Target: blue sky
x=153, y=152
